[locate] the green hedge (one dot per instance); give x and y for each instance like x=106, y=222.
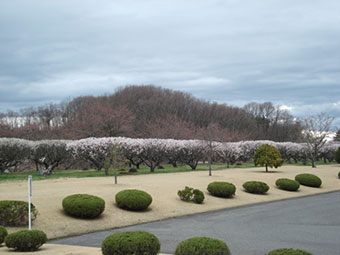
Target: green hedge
x=202, y=246
x=310, y=180
x=256, y=187
x=15, y=213
x=26, y=240
x=289, y=252
x=3, y=234
x=190, y=194
x=131, y=243
x=83, y=206
x=287, y=184
x=221, y=189
x=133, y=199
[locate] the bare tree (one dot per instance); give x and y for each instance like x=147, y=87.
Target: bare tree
x=115, y=160
x=273, y=122
x=316, y=128
x=212, y=134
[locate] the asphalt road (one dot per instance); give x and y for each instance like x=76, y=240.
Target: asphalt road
x=311, y=223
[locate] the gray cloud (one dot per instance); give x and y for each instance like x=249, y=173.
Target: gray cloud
x=229, y=51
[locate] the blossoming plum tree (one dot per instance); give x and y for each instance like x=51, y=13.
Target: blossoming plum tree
x=13, y=152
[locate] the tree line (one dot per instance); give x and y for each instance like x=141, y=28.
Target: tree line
x=150, y=112
x=50, y=154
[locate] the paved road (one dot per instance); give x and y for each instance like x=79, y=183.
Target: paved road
x=310, y=223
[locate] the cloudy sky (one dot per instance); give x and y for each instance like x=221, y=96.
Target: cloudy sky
x=229, y=51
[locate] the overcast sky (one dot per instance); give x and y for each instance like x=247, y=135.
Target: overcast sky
x=229, y=51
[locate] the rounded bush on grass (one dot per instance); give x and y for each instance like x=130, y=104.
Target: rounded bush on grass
x=3, y=234
x=83, y=206
x=26, y=240
x=202, y=246
x=15, y=213
x=289, y=252
x=221, y=189
x=133, y=199
x=287, y=184
x=310, y=180
x=131, y=243
x=256, y=187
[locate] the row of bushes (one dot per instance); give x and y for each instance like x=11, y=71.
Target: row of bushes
x=226, y=189
x=132, y=243
x=87, y=206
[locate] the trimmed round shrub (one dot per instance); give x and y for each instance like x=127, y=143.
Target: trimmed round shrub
x=3, y=234
x=15, y=213
x=256, y=187
x=289, y=252
x=310, y=180
x=131, y=243
x=26, y=240
x=221, y=189
x=133, y=199
x=287, y=184
x=202, y=246
x=83, y=206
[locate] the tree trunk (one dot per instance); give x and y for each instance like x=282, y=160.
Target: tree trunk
x=37, y=166
x=266, y=168
x=313, y=163
x=193, y=165
x=152, y=167
x=209, y=161
x=115, y=171
x=228, y=164
x=304, y=161
x=106, y=171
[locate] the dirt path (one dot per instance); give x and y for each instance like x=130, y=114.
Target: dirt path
x=48, y=196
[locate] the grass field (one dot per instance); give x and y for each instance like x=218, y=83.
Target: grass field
x=142, y=171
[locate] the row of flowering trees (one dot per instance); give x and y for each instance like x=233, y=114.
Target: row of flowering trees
x=48, y=154
x=152, y=152
x=45, y=154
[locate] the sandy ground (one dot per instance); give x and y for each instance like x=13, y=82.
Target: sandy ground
x=48, y=196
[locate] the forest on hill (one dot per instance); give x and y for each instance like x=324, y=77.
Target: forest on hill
x=151, y=112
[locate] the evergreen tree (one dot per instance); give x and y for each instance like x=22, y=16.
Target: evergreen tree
x=267, y=155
